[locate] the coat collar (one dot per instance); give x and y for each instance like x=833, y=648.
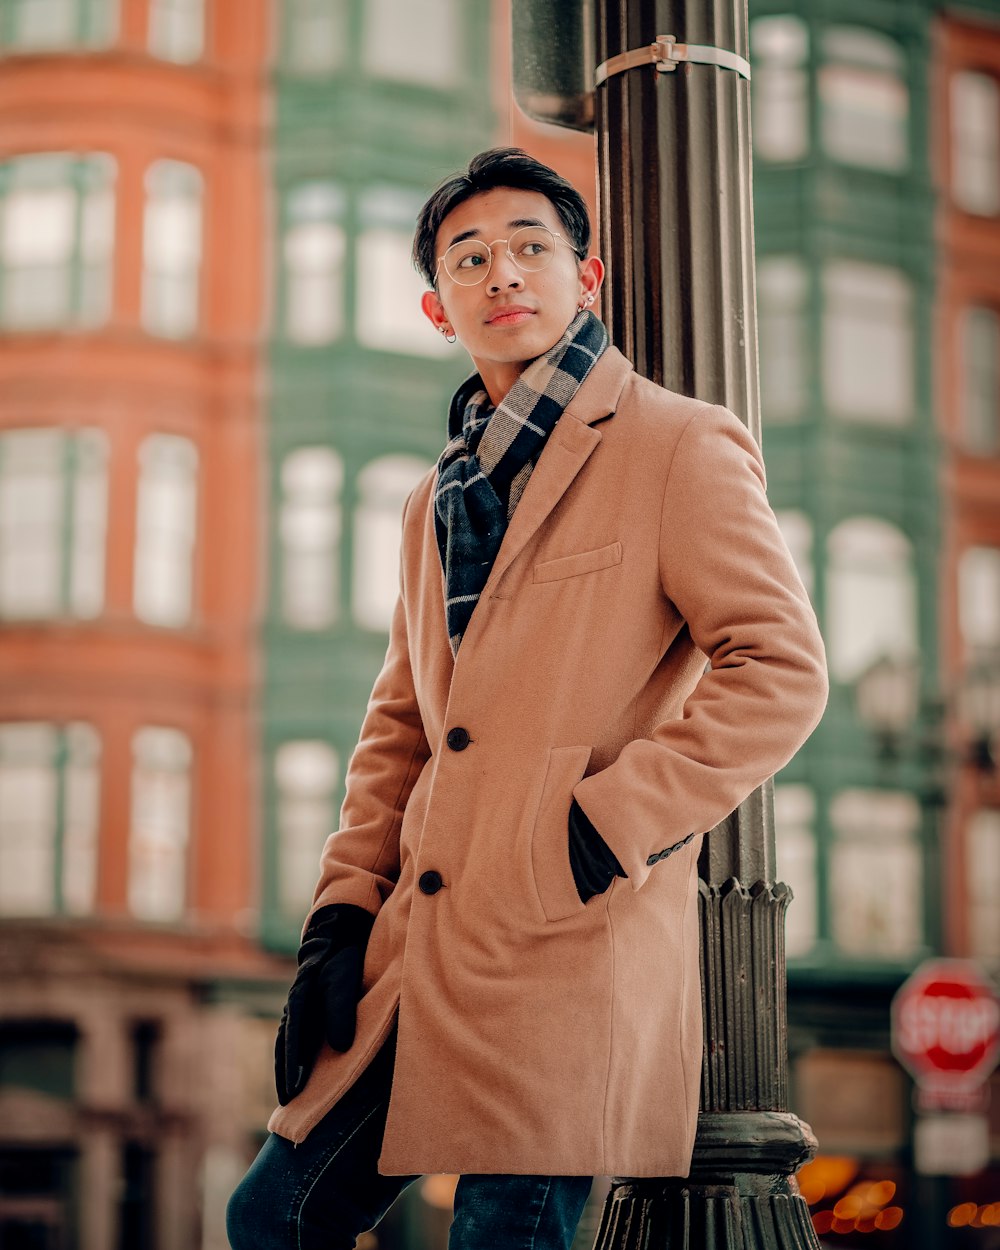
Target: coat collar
x=568, y=448
x=601, y=389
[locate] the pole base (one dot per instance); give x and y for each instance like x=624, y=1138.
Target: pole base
x=676, y=1215
x=740, y=1194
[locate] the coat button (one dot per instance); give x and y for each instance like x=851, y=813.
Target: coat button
x=458, y=738
x=430, y=882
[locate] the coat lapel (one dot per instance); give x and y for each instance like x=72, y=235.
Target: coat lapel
x=569, y=446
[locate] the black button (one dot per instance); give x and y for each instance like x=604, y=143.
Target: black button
x=458, y=738
x=430, y=882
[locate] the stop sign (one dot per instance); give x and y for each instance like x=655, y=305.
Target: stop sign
x=946, y=1024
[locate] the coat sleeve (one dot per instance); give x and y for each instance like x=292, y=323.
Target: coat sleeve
x=726, y=568
x=360, y=861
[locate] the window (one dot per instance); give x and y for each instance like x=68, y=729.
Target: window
x=975, y=143
x=56, y=240
x=165, y=530
x=979, y=601
x=876, y=842
x=171, y=249
x=177, y=29
x=160, y=824
x=56, y=25
x=306, y=774
x=863, y=99
x=53, y=523
x=782, y=295
x=311, y=481
x=383, y=487
x=979, y=426
x=779, y=48
x=796, y=529
x=49, y=793
x=982, y=859
x=389, y=290
x=314, y=250
x=867, y=343
x=315, y=36
x=871, y=596
x=38, y=1055
x=795, y=839
x=416, y=41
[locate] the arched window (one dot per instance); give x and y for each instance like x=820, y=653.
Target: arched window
x=867, y=342
x=979, y=601
x=876, y=841
x=430, y=34
x=177, y=29
x=982, y=860
x=171, y=249
x=975, y=143
x=49, y=788
x=160, y=824
x=979, y=371
x=863, y=99
x=871, y=596
x=53, y=522
x=306, y=775
x=57, y=232
x=783, y=330
x=315, y=36
x=795, y=840
x=314, y=251
x=779, y=49
x=383, y=487
x=311, y=482
x=165, y=530
x=389, y=318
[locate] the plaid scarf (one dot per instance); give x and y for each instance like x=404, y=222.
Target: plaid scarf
x=491, y=452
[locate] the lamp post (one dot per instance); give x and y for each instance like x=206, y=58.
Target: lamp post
x=666, y=83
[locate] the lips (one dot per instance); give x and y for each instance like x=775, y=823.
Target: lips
x=510, y=315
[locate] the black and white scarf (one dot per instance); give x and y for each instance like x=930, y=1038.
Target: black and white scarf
x=490, y=455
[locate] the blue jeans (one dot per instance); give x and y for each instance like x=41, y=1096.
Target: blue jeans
x=326, y=1191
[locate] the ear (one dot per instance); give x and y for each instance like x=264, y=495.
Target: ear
x=434, y=311
x=591, y=276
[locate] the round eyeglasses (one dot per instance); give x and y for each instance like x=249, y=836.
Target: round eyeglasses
x=531, y=248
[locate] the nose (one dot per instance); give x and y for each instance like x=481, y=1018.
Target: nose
x=504, y=274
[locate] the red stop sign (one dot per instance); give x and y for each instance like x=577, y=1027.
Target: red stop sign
x=946, y=1024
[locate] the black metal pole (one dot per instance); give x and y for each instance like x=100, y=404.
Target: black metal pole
x=677, y=237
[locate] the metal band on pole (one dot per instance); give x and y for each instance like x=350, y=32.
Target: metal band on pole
x=666, y=54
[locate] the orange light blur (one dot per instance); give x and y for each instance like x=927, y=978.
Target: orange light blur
x=823, y=1221
x=990, y=1214
x=961, y=1215
x=891, y=1217
x=826, y=1174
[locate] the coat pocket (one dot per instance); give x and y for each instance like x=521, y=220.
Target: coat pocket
x=581, y=562
x=550, y=865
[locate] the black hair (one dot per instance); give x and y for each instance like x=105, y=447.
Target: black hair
x=499, y=167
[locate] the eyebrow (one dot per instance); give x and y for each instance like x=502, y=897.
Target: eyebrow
x=511, y=225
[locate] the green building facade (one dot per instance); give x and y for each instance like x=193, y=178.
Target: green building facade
x=374, y=103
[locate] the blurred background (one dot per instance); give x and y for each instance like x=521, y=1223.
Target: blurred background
x=216, y=391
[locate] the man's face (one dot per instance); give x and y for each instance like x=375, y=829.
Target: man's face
x=511, y=317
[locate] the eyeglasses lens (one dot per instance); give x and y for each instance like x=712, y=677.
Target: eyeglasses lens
x=469, y=261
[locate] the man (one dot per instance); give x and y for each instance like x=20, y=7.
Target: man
x=500, y=974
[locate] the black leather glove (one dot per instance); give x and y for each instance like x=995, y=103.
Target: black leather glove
x=594, y=863
x=323, y=1000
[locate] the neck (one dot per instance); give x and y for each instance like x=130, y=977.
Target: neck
x=499, y=378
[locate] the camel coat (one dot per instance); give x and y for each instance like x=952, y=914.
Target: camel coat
x=538, y=1034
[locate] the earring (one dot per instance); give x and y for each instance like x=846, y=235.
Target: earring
x=448, y=338
x=587, y=301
